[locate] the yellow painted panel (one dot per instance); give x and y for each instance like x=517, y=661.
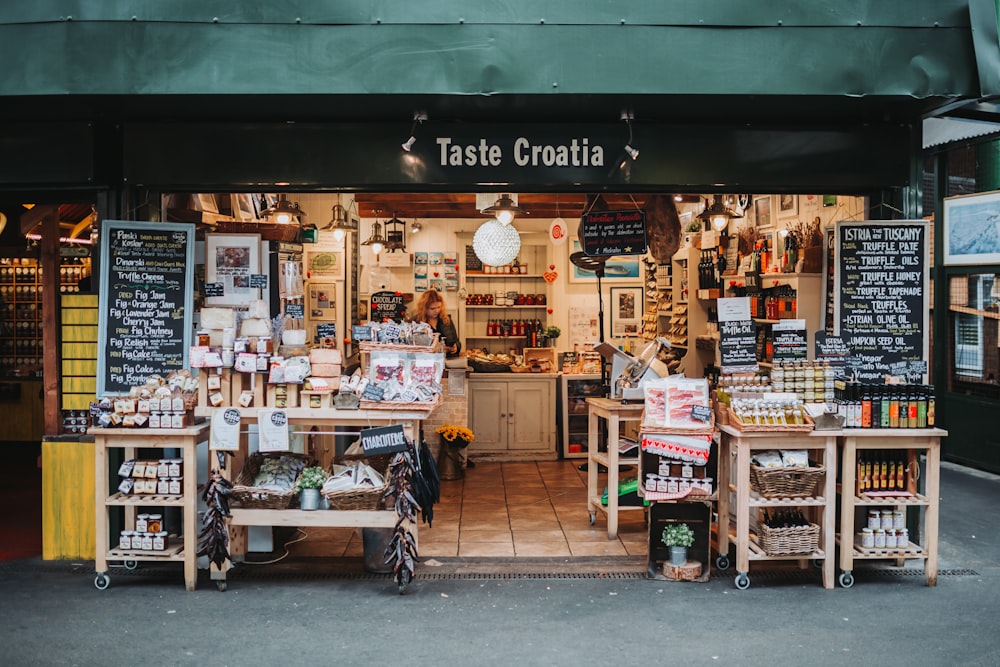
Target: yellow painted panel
x=79, y=316
x=68, y=501
x=77, y=401
x=79, y=367
x=79, y=333
x=79, y=350
x=80, y=385
x=80, y=300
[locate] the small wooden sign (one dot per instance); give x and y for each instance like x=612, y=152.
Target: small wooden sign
x=383, y=440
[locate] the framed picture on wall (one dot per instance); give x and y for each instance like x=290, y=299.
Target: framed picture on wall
x=230, y=260
x=626, y=311
x=788, y=206
x=617, y=269
x=972, y=229
x=762, y=212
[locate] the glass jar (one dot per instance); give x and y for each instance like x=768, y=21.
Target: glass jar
x=867, y=538
x=886, y=520
x=874, y=519
x=125, y=540
x=903, y=538
x=890, y=539
x=880, y=539
x=155, y=523
x=899, y=519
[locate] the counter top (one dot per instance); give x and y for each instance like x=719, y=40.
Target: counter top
x=513, y=376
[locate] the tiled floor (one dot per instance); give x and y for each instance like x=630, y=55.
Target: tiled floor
x=507, y=510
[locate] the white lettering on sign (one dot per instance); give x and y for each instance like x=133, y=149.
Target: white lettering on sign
x=577, y=153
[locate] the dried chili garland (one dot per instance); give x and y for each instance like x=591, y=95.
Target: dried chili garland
x=415, y=486
x=214, y=536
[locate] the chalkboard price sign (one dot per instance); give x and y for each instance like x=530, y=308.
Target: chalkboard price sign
x=295, y=311
x=326, y=330
x=831, y=348
x=611, y=233
x=258, y=280
x=387, y=305
x=145, y=302
x=737, y=346
x=882, y=293
x=790, y=340
x=215, y=289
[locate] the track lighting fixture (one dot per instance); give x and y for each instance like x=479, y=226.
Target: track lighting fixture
x=418, y=117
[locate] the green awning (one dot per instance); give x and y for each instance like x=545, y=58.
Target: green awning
x=745, y=54
x=983, y=15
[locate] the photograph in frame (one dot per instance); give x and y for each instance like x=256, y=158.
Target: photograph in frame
x=231, y=259
x=972, y=229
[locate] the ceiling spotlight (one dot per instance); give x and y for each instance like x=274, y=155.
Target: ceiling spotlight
x=632, y=152
x=504, y=210
x=415, y=227
x=284, y=211
x=418, y=117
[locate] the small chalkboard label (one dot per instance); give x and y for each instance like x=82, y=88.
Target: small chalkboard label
x=361, y=332
x=327, y=330
x=702, y=413
x=295, y=311
x=383, y=440
x=830, y=348
x=373, y=393
x=214, y=289
x=258, y=280
x=387, y=306
x=611, y=233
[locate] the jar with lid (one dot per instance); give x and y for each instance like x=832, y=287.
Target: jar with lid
x=141, y=523
x=903, y=538
x=125, y=540
x=174, y=468
x=898, y=519
x=155, y=523
x=137, y=540
x=890, y=539
x=886, y=522
x=147, y=541
x=880, y=539
x=160, y=541
x=867, y=538
x=874, y=519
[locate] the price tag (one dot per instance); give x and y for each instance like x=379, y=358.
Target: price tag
x=328, y=330
x=702, y=413
x=258, y=280
x=273, y=427
x=225, y=434
x=361, y=332
x=373, y=393
x=214, y=289
x=295, y=311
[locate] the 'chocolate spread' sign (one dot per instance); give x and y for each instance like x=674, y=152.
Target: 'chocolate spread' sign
x=610, y=233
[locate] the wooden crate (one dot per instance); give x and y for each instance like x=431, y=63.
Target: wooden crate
x=542, y=356
x=696, y=514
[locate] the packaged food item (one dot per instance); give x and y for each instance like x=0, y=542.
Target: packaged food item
x=770, y=458
x=795, y=458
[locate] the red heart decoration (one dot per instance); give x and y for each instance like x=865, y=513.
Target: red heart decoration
x=550, y=276
x=549, y=311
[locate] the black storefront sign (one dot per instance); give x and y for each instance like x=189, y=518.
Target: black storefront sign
x=145, y=302
x=611, y=233
x=882, y=296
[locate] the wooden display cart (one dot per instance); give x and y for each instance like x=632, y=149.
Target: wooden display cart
x=323, y=417
x=739, y=445
x=183, y=548
x=909, y=441
x=614, y=412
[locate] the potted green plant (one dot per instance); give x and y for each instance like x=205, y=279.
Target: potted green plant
x=692, y=234
x=310, y=482
x=678, y=537
x=551, y=333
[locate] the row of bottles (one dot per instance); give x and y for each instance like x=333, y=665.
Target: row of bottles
x=881, y=471
x=866, y=405
x=785, y=517
x=760, y=257
x=513, y=327
x=709, y=271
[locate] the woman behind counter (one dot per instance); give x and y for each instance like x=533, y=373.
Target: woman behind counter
x=430, y=309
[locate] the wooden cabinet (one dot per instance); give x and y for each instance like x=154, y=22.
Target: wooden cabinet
x=512, y=417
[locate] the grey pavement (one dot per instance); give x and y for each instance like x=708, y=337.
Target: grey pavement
x=553, y=612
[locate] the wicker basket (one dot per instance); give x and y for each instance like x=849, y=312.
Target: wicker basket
x=253, y=497
x=787, y=541
x=786, y=482
x=364, y=498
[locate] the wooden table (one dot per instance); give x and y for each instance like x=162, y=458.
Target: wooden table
x=321, y=417
x=908, y=441
x=132, y=439
x=614, y=412
x=741, y=445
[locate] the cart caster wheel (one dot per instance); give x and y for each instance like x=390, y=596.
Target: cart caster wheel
x=722, y=562
x=131, y=564
x=742, y=581
x=593, y=518
x=846, y=579
x=102, y=581
x=221, y=585
x=818, y=563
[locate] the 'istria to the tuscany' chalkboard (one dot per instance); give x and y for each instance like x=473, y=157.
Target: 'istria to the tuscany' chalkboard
x=145, y=302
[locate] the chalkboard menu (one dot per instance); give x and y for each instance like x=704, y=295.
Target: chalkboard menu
x=882, y=297
x=472, y=262
x=147, y=273
x=831, y=349
x=737, y=336
x=387, y=305
x=789, y=340
x=610, y=233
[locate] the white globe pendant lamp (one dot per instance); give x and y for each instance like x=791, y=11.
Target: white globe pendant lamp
x=495, y=243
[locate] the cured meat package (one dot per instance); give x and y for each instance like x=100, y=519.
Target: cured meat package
x=670, y=401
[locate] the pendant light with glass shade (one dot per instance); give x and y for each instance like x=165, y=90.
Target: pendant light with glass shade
x=495, y=243
x=718, y=214
x=504, y=209
x=340, y=222
x=284, y=212
x=376, y=241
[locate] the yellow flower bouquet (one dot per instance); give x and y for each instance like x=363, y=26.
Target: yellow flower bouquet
x=458, y=436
